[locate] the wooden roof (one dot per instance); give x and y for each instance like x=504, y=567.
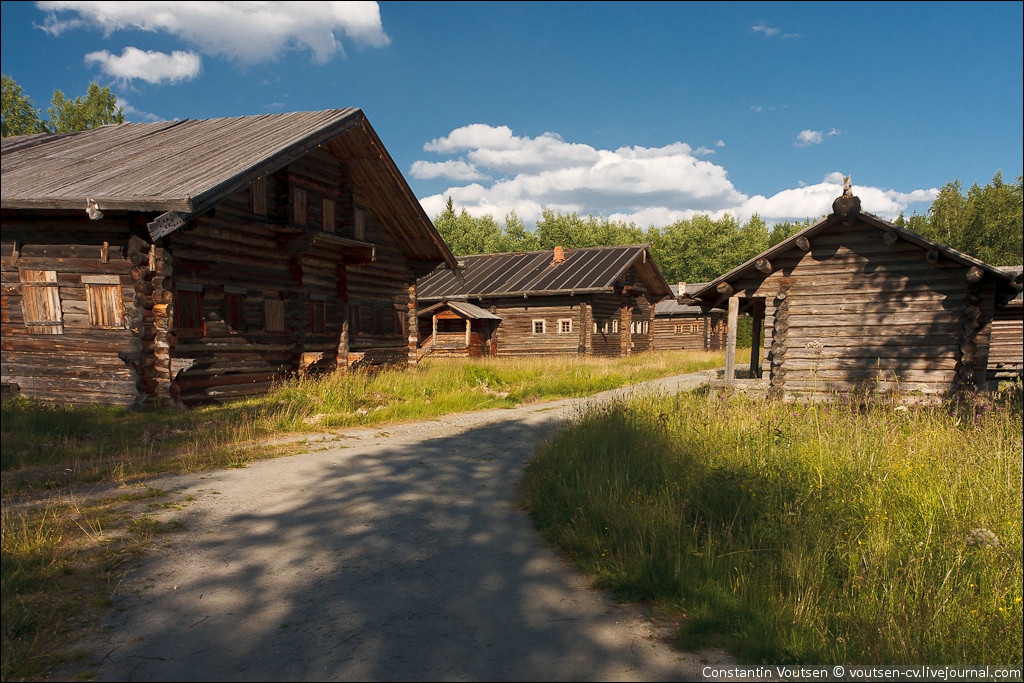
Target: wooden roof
x=463, y=308
x=671, y=305
x=592, y=269
x=709, y=295
x=182, y=168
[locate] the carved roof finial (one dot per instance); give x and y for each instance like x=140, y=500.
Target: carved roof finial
x=847, y=187
x=848, y=206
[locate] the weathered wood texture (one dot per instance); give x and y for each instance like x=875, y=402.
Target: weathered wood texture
x=850, y=312
x=698, y=331
x=1006, y=346
x=222, y=308
x=83, y=290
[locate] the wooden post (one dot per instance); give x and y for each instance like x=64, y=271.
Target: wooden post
x=468, y=331
x=730, y=340
x=755, y=338
x=412, y=327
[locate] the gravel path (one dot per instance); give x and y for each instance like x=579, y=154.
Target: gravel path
x=396, y=553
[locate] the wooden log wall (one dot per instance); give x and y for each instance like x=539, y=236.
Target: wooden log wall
x=854, y=312
x=515, y=336
x=606, y=328
x=387, y=286
x=642, y=329
x=679, y=332
x=83, y=359
x=1006, y=346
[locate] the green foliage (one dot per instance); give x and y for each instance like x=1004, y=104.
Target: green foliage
x=873, y=532
x=19, y=115
x=97, y=107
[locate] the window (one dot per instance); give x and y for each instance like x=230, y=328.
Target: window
x=634, y=327
x=647, y=327
x=354, y=322
x=299, y=206
x=693, y=328
x=317, y=309
x=40, y=301
x=273, y=312
x=400, y=320
x=328, y=215
x=615, y=327
x=604, y=327
x=565, y=325
x=234, y=308
x=258, y=197
x=188, y=308
x=378, y=319
x=538, y=327
x=359, y=231
x=103, y=299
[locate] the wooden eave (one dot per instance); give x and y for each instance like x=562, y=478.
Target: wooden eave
x=708, y=296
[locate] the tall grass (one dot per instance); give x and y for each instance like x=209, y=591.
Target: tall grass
x=834, y=532
x=49, y=446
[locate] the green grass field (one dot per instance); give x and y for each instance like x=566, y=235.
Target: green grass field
x=834, y=532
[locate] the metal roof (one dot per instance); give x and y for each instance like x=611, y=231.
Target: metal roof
x=187, y=166
x=591, y=269
x=709, y=296
x=465, y=308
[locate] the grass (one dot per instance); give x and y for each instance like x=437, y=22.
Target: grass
x=844, y=532
x=63, y=555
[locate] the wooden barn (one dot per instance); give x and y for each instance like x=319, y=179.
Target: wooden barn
x=856, y=303
x=1006, y=350
x=203, y=260
x=679, y=326
x=590, y=301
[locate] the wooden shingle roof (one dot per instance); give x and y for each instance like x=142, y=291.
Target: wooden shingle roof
x=592, y=269
x=182, y=168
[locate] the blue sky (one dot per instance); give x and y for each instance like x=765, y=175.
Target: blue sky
x=645, y=112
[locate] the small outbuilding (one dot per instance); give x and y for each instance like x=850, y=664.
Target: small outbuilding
x=1006, y=350
x=183, y=262
x=457, y=328
x=587, y=301
x=679, y=326
x=854, y=302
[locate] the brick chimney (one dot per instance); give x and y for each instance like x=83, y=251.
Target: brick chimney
x=559, y=258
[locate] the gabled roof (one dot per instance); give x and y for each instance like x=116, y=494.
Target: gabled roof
x=671, y=305
x=591, y=269
x=182, y=168
x=708, y=295
x=464, y=308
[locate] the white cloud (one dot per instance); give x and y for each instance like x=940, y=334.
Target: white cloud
x=148, y=65
x=809, y=137
x=720, y=143
x=703, y=151
x=249, y=32
x=452, y=169
x=766, y=30
x=648, y=186
x=133, y=114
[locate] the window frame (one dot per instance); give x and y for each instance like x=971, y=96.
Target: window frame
x=543, y=326
x=40, y=293
x=99, y=291
x=562, y=323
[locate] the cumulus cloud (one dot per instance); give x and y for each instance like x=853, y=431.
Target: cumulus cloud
x=720, y=143
x=249, y=32
x=147, y=65
x=703, y=151
x=497, y=172
x=806, y=138
x=133, y=114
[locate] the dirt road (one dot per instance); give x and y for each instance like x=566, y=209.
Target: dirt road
x=383, y=554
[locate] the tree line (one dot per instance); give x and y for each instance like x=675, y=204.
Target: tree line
x=19, y=115
x=986, y=223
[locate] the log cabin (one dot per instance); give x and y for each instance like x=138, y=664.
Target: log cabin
x=185, y=262
x=678, y=326
x=1006, y=350
x=854, y=303
x=589, y=301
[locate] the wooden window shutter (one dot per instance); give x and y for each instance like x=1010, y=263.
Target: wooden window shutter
x=317, y=316
x=328, y=225
x=40, y=301
x=354, y=326
x=359, y=232
x=103, y=298
x=299, y=204
x=273, y=313
x=188, y=309
x=234, y=308
x=258, y=197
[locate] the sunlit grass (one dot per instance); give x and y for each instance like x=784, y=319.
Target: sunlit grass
x=832, y=532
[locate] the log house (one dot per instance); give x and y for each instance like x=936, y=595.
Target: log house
x=855, y=303
x=588, y=301
x=185, y=262
x=678, y=326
